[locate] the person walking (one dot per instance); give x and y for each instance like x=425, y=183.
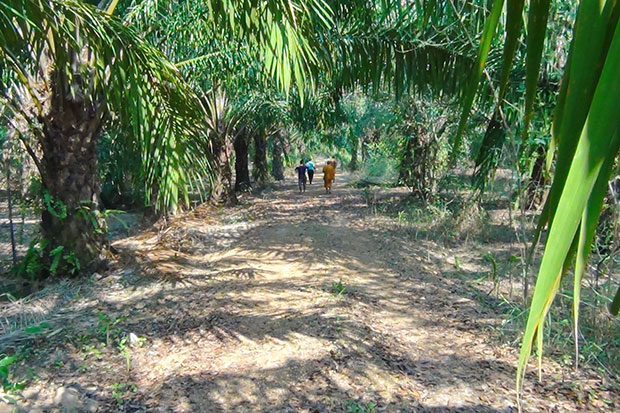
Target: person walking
x=310, y=166
x=335, y=165
x=329, y=173
x=301, y=175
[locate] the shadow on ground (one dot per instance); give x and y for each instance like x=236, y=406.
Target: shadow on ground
x=240, y=313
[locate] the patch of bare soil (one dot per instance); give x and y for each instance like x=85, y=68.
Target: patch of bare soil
x=288, y=303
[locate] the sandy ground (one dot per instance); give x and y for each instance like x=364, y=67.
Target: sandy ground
x=238, y=312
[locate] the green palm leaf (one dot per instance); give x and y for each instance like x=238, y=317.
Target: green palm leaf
x=614, y=307
x=589, y=44
x=483, y=52
x=536, y=33
x=598, y=138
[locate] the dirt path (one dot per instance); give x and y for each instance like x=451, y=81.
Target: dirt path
x=240, y=313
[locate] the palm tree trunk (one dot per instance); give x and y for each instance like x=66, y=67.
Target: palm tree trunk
x=535, y=187
x=355, y=143
x=277, y=168
x=260, y=157
x=242, y=171
x=405, y=170
x=223, y=191
x=365, y=143
x=7, y=164
x=71, y=216
x=23, y=175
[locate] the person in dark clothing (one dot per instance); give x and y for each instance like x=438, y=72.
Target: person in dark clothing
x=301, y=175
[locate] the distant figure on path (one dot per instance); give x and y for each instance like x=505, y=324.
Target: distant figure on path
x=335, y=165
x=329, y=173
x=301, y=175
x=310, y=166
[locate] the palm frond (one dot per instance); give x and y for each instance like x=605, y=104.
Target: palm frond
x=143, y=92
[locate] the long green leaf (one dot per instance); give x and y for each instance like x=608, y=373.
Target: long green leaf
x=578, y=84
x=588, y=46
x=483, y=52
x=536, y=30
x=597, y=139
x=514, y=26
x=589, y=222
x=614, y=307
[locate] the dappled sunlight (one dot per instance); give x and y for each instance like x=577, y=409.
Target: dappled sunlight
x=293, y=305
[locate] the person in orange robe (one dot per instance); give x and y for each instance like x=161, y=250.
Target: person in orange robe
x=329, y=173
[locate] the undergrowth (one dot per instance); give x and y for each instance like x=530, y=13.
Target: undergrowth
x=97, y=348
x=457, y=218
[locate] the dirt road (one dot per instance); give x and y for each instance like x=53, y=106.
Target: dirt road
x=307, y=302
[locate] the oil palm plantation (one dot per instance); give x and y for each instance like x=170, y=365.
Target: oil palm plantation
x=70, y=69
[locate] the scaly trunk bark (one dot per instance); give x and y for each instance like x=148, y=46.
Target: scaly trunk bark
x=277, y=168
x=71, y=216
x=489, y=154
x=286, y=148
x=365, y=142
x=242, y=171
x=7, y=164
x=260, y=157
x=418, y=164
x=406, y=161
x=353, y=165
x=223, y=191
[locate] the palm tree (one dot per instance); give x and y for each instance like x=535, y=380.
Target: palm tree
x=221, y=126
x=68, y=70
